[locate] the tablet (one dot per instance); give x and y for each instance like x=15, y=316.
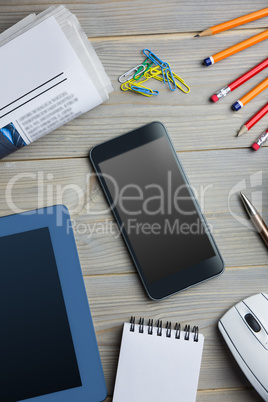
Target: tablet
x=156, y=210
x=48, y=346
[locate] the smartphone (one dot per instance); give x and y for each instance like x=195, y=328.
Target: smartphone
x=157, y=213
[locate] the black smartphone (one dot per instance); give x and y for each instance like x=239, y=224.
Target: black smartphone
x=156, y=210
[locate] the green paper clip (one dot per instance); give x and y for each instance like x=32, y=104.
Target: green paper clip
x=140, y=72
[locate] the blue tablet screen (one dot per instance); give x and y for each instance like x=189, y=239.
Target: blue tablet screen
x=36, y=346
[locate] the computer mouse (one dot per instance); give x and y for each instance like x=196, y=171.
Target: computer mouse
x=245, y=330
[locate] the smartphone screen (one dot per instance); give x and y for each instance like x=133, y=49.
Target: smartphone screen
x=155, y=207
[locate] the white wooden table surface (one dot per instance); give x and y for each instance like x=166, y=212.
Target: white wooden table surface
x=204, y=137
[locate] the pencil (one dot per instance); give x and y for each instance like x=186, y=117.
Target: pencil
x=234, y=23
x=255, y=218
x=236, y=48
x=260, y=141
x=239, y=81
x=253, y=120
x=250, y=95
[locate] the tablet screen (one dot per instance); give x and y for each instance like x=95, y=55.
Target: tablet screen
x=36, y=346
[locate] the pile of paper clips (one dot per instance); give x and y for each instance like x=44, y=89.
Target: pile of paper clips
x=152, y=67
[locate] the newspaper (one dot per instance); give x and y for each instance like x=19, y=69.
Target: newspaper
x=50, y=75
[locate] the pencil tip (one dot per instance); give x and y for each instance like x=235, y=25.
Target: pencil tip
x=242, y=131
x=196, y=35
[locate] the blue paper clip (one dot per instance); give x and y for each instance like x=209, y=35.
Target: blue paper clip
x=154, y=58
x=170, y=78
x=163, y=65
x=143, y=90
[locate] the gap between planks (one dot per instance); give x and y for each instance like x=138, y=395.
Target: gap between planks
x=86, y=156
x=224, y=389
x=172, y=35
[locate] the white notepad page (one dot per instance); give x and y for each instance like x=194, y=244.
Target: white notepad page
x=156, y=368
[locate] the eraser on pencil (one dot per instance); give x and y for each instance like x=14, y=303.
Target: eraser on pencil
x=236, y=106
x=255, y=146
x=214, y=98
x=208, y=61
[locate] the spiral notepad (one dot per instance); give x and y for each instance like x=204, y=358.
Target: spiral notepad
x=158, y=364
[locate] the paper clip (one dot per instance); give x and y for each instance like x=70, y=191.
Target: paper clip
x=158, y=69
x=154, y=58
x=126, y=85
x=169, y=76
x=156, y=75
x=175, y=76
x=153, y=72
x=163, y=65
x=143, y=90
x=128, y=75
x=140, y=73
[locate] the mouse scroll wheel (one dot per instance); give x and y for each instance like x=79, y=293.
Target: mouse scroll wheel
x=254, y=325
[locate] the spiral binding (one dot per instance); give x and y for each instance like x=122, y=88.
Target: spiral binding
x=167, y=329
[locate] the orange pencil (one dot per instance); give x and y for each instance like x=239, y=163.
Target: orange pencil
x=235, y=23
x=250, y=95
x=236, y=48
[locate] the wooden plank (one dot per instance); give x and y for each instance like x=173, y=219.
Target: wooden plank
x=230, y=395
x=107, y=18
x=192, y=120
x=113, y=299
x=213, y=175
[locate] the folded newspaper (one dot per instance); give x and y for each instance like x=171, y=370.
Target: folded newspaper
x=50, y=74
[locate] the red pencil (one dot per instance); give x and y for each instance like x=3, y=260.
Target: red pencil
x=260, y=141
x=239, y=81
x=253, y=120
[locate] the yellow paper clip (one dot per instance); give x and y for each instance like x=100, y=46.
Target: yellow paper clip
x=126, y=85
x=158, y=76
x=178, y=85
x=141, y=82
x=156, y=73
x=152, y=72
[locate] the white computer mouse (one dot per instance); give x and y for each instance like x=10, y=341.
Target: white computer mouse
x=245, y=330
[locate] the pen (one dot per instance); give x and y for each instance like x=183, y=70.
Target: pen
x=255, y=218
